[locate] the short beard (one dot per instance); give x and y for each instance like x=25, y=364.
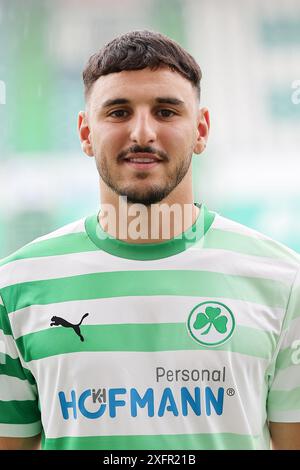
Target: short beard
x=154, y=194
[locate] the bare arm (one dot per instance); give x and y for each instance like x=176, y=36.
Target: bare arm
x=285, y=436
x=20, y=443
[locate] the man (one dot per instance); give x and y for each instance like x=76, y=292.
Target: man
x=155, y=324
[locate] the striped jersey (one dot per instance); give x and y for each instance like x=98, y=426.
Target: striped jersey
x=190, y=343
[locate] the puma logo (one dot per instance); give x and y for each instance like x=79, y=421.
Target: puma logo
x=58, y=321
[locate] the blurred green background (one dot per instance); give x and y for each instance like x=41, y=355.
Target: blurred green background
x=248, y=51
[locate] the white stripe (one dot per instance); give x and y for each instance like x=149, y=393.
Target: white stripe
x=227, y=225
x=73, y=227
x=288, y=416
x=12, y=388
x=8, y=345
x=152, y=309
x=138, y=370
x=287, y=379
x=20, y=430
x=210, y=260
x=1, y=301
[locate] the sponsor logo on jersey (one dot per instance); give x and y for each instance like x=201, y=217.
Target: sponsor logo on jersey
x=94, y=403
x=206, y=397
x=211, y=323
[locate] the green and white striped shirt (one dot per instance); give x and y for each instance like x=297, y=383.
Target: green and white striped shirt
x=192, y=343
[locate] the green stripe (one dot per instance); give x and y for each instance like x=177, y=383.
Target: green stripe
x=138, y=338
x=296, y=312
x=284, y=358
x=284, y=400
x=225, y=240
x=144, y=283
x=4, y=322
x=62, y=245
x=165, y=441
x=19, y=412
x=215, y=238
x=13, y=368
x=287, y=357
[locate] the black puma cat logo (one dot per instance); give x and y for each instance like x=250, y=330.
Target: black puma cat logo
x=58, y=321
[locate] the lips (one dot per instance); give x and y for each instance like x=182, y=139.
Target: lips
x=142, y=161
x=142, y=157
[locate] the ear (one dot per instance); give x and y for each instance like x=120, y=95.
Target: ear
x=85, y=134
x=203, y=125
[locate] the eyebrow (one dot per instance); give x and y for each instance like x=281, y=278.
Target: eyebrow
x=161, y=100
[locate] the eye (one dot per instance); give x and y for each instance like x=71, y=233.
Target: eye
x=166, y=113
x=118, y=113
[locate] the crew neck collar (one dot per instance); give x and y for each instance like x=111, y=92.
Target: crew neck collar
x=150, y=251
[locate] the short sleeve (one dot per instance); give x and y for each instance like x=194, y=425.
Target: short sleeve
x=19, y=412
x=284, y=394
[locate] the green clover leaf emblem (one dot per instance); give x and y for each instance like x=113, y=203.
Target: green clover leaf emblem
x=212, y=318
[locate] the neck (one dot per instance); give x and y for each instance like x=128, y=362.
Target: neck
x=136, y=223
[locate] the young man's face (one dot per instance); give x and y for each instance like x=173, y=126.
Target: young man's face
x=143, y=126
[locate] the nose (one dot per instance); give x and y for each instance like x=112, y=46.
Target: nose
x=143, y=128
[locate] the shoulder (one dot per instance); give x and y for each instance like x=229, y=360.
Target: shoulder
x=67, y=239
x=230, y=235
